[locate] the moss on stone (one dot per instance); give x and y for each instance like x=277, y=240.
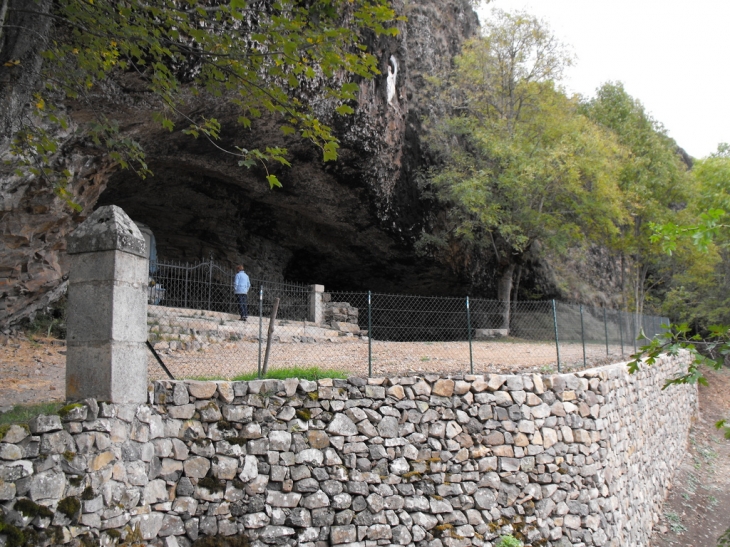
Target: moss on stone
x=116, y=534
x=411, y=474
x=69, y=506
x=58, y=534
x=304, y=414
x=88, y=494
x=313, y=395
x=6, y=427
x=31, y=509
x=240, y=441
x=211, y=484
x=65, y=410
x=442, y=528
x=75, y=481
x=223, y=541
x=15, y=537
x=69, y=456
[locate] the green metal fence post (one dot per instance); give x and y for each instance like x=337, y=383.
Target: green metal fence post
x=468, y=330
x=605, y=328
x=261, y=326
x=555, y=325
x=582, y=334
x=621, y=331
x=370, y=336
x=635, y=330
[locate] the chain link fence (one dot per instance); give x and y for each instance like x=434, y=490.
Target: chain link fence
x=195, y=330
x=194, y=325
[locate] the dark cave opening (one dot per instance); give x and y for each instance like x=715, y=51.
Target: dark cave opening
x=316, y=232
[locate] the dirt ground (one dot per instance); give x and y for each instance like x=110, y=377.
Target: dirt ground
x=697, y=510
x=228, y=360
x=31, y=371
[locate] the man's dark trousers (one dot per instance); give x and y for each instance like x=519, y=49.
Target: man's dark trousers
x=242, y=305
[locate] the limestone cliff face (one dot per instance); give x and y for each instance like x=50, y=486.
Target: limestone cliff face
x=347, y=224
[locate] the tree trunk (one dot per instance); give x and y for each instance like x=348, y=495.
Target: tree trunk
x=22, y=38
x=504, y=293
x=516, y=288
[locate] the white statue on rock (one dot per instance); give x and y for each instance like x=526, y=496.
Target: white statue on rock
x=392, y=76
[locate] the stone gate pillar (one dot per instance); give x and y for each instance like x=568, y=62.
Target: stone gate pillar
x=107, y=310
x=316, y=308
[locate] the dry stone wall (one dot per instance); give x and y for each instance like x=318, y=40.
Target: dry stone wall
x=562, y=460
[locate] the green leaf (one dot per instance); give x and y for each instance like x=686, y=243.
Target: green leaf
x=330, y=151
x=273, y=181
x=344, y=109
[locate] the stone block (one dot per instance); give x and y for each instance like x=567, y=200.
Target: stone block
x=47, y=485
x=119, y=312
x=91, y=374
x=107, y=229
x=45, y=424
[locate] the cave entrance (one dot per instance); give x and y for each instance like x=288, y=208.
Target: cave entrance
x=313, y=231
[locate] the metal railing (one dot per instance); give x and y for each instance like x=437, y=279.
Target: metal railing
x=195, y=330
x=208, y=286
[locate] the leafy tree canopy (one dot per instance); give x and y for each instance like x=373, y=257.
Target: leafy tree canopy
x=699, y=291
x=654, y=183
x=262, y=57
x=520, y=163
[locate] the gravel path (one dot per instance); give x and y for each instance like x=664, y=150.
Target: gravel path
x=34, y=371
x=388, y=358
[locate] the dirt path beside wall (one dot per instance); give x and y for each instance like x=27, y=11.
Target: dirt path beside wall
x=697, y=510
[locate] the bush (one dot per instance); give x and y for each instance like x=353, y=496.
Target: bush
x=51, y=322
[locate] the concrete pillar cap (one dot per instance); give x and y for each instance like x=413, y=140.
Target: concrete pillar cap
x=107, y=229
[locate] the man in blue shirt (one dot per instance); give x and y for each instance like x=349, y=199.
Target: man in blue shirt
x=241, y=285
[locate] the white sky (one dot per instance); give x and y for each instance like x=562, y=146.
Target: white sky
x=670, y=54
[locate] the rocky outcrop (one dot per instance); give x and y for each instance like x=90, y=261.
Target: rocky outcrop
x=347, y=224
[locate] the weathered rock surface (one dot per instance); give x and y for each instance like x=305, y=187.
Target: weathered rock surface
x=348, y=224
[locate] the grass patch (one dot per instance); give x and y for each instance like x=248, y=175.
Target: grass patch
x=304, y=373
x=206, y=378
x=22, y=414
x=675, y=523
